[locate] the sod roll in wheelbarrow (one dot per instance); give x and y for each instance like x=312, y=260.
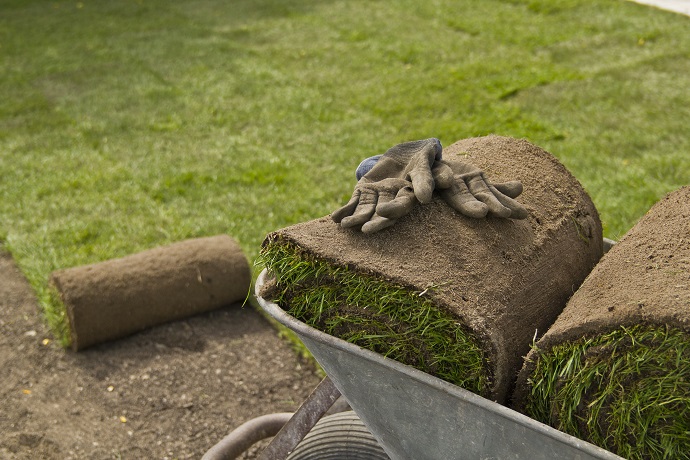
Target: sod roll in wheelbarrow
x=118, y=297
x=614, y=369
x=456, y=297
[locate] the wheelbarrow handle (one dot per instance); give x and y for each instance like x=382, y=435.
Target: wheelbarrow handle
x=310, y=412
x=245, y=435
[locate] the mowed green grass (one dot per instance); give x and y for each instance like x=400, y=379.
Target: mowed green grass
x=125, y=125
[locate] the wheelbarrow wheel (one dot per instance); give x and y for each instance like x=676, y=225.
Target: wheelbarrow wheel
x=340, y=436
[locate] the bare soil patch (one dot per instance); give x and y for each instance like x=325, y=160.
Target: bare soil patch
x=169, y=392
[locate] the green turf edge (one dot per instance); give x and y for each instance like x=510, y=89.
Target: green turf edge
x=375, y=314
x=55, y=314
x=53, y=309
x=627, y=391
x=286, y=334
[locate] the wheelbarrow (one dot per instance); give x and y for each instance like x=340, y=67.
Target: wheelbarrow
x=416, y=416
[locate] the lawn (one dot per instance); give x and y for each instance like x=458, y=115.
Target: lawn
x=126, y=125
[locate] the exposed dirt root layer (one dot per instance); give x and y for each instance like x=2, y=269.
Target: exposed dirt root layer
x=614, y=368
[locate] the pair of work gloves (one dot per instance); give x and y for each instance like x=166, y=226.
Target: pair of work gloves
x=390, y=185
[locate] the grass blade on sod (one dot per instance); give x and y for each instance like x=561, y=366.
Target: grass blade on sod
x=614, y=368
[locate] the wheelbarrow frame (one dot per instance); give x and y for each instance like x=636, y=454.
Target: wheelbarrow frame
x=417, y=416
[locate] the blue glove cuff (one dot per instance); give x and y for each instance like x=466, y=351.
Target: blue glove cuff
x=366, y=165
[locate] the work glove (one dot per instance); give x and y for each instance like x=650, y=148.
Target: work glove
x=467, y=190
x=399, y=179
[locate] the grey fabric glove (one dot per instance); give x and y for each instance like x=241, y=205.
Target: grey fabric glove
x=467, y=190
x=390, y=189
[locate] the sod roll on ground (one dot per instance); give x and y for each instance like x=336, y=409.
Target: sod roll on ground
x=456, y=297
x=614, y=369
x=118, y=297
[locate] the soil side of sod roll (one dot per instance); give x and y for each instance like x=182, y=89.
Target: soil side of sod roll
x=614, y=369
x=118, y=297
x=441, y=291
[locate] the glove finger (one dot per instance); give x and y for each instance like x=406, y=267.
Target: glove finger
x=422, y=183
x=347, y=210
x=364, y=209
x=460, y=199
x=361, y=215
x=442, y=174
x=420, y=174
x=400, y=206
x=517, y=210
x=377, y=223
x=481, y=191
x=512, y=188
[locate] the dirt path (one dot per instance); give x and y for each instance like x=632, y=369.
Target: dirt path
x=169, y=392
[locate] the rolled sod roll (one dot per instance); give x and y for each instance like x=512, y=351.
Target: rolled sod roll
x=115, y=298
x=614, y=369
x=456, y=297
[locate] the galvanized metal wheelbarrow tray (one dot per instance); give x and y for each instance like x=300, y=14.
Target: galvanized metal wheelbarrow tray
x=416, y=416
